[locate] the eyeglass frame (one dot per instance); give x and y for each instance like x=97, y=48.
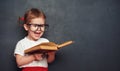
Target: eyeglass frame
x=39, y=26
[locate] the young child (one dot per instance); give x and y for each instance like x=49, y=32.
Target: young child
x=34, y=24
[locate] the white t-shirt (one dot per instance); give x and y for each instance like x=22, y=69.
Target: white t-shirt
x=24, y=44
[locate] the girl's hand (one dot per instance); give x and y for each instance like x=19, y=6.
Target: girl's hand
x=52, y=53
x=38, y=57
x=51, y=56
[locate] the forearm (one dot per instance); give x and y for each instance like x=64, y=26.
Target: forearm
x=22, y=60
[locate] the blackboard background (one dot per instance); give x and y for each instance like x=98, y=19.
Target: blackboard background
x=92, y=24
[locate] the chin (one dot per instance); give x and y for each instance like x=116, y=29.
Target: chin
x=38, y=36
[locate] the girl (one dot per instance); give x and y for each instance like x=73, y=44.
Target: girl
x=34, y=24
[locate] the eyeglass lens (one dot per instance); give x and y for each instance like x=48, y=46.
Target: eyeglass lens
x=35, y=27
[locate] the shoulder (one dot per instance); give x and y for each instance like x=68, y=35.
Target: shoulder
x=22, y=40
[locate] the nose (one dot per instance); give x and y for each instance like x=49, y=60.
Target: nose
x=39, y=29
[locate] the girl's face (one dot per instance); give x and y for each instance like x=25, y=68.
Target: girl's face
x=35, y=28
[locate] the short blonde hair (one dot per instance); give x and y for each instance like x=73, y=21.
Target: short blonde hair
x=33, y=13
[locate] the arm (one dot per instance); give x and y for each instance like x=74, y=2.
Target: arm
x=22, y=60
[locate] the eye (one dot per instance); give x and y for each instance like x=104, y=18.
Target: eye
x=35, y=25
x=42, y=25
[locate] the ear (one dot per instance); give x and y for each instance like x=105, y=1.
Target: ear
x=25, y=27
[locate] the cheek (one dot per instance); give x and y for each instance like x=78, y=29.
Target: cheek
x=42, y=28
x=30, y=33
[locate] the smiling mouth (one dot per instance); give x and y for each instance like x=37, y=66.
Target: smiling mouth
x=37, y=32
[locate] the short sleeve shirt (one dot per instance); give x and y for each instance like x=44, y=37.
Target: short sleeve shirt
x=24, y=44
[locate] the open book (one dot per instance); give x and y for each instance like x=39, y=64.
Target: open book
x=46, y=47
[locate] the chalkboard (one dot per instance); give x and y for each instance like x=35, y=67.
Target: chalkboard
x=92, y=24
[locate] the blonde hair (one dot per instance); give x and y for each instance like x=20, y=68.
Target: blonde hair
x=33, y=13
